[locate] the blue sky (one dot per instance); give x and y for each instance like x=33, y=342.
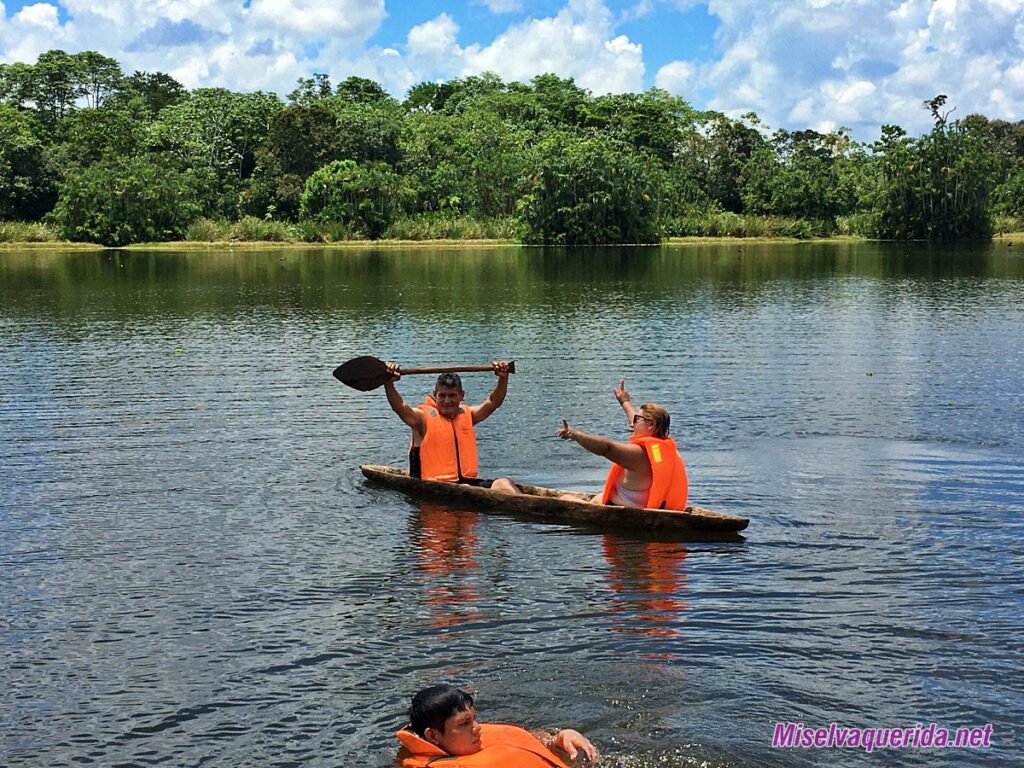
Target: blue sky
x=664, y=34
x=796, y=63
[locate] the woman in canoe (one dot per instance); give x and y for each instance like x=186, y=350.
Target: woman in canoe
x=646, y=472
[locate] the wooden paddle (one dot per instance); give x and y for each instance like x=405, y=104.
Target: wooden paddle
x=366, y=373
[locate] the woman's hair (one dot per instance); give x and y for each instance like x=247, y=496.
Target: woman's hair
x=659, y=416
x=432, y=707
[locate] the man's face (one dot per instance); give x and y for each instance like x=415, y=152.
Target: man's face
x=461, y=734
x=448, y=400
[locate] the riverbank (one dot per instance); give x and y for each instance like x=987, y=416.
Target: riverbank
x=36, y=243
x=438, y=229
x=247, y=245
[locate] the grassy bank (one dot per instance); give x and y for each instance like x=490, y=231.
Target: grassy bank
x=428, y=229
x=717, y=224
x=722, y=240
x=1008, y=227
x=431, y=228
x=437, y=229
x=22, y=232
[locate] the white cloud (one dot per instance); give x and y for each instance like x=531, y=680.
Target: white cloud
x=860, y=63
x=38, y=15
x=676, y=77
x=642, y=8
x=502, y=6
x=204, y=42
x=638, y=11
x=577, y=42
x=433, y=42
x=353, y=19
x=797, y=63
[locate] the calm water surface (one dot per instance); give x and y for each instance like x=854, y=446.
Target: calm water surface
x=194, y=572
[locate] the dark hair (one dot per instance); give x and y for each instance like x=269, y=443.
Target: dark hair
x=448, y=380
x=432, y=706
x=660, y=417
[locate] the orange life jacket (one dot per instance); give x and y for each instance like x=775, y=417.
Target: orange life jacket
x=669, y=486
x=503, y=746
x=448, y=450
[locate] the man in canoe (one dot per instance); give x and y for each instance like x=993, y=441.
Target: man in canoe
x=443, y=444
x=443, y=731
x=646, y=472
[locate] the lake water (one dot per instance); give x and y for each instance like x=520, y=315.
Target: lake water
x=195, y=573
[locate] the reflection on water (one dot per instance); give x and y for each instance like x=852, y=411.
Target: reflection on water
x=445, y=541
x=648, y=580
x=195, y=572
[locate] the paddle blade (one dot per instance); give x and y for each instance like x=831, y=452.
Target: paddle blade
x=362, y=373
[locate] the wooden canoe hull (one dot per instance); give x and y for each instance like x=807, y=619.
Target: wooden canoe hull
x=556, y=506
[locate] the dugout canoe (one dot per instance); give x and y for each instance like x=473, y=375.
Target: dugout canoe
x=555, y=505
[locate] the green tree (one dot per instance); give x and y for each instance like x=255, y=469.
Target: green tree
x=561, y=101
x=682, y=193
x=57, y=83
x=495, y=163
x=361, y=90
x=1008, y=196
x=303, y=137
x=118, y=201
x=311, y=89
x=364, y=197
x=935, y=187
x=800, y=174
x=1005, y=140
x=721, y=152
x=466, y=90
x=16, y=84
x=428, y=97
x=591, y=190
x=218, y=133
x=654, y=121
x=99, y=76
x=517, y=106
x=368, y=131
x=431, y=166
x=471, y=162
x=27, y=181
x=88, y=135
x=58, y=80
x=148, y=93
x=218, y=129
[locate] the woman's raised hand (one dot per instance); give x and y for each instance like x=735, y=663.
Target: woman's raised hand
x=621, y=393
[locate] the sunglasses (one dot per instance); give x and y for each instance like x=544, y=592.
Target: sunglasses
x=641, y=417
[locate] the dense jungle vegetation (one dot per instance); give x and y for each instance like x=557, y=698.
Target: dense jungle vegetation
x=90, y=154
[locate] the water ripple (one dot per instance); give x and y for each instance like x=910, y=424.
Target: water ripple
x=196, y=573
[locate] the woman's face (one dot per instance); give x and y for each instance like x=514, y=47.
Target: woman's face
x=643, y=425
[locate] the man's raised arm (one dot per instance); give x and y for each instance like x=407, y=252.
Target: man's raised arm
x=497, y=397
x=411, y=416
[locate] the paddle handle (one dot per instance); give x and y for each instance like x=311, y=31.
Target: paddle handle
x=455, y=369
